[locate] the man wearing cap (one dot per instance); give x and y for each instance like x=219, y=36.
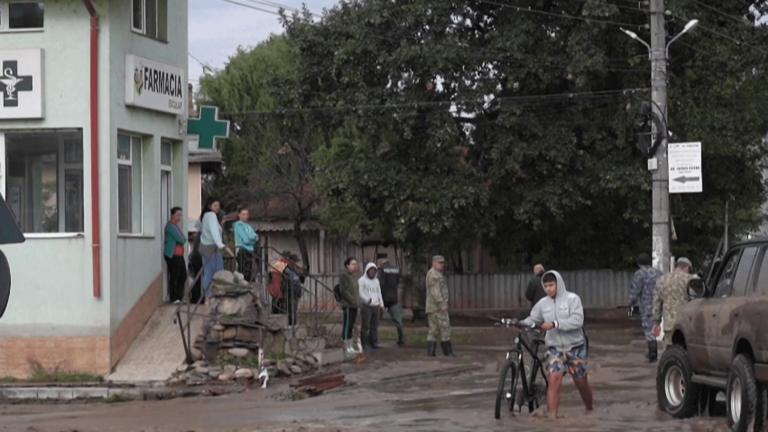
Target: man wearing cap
x=437, y=309
x=670, y=297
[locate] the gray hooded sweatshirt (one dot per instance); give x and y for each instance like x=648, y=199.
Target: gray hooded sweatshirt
x=565, y=311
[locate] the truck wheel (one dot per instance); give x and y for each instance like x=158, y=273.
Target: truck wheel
x=677, y=394
x=741, y=394
x=761, y=416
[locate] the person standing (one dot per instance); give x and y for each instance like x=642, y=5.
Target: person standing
x=643, y=287
x=371, y=306
x=350, y=303
x=389, y=278
x=561, y=314
x=173, y=252
x=245, y=239
x=670, y=296
x=535, y=291
x=437, y=309
x=285, y=286
x=211, y=243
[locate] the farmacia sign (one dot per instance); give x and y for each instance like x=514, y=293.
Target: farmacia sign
x=154, y=85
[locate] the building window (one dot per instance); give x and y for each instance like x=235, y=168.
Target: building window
x=44, y=184
x=129, y=183
x=21, y=15
x=150, y=18
x=166, y=178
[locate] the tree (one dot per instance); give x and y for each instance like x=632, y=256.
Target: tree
x=511, y=123
x=268, y=157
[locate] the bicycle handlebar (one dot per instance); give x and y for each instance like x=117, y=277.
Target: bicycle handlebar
x=514, y=322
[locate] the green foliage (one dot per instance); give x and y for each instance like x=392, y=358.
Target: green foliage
x=455, y=142
x=117, y=398
x=249, y=362
x=40, y=374
x=277, y=355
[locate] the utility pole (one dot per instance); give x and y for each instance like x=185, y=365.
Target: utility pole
x=660, y=199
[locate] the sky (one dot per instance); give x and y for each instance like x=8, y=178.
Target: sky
x=217, y=28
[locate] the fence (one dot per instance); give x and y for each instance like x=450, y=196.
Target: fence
x=505, y=291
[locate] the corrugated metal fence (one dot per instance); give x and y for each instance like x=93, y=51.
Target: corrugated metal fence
x=478, y=292
x=504, y=291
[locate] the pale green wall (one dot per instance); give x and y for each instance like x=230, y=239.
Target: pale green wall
x=52, y=292
x=138, y=261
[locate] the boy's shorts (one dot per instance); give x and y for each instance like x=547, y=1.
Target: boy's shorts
x=575, y=360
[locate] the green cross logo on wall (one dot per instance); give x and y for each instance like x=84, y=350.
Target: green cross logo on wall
x=208, y=127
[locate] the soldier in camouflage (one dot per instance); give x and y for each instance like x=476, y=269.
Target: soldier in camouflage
x=437, y=309
x=643, y=287
x=670, y=297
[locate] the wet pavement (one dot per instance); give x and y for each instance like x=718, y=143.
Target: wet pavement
x=399, y=389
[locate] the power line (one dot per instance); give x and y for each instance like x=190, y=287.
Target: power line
x=718, y=11
x=529, y=98
x=283, y=6
x=552, y=14
x=252, y=7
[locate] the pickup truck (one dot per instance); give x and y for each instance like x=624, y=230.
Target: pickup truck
x=720, y=342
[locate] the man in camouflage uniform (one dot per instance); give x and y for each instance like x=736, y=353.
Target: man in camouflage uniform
x=643, y=286
x=437, y=309
x=670, y=298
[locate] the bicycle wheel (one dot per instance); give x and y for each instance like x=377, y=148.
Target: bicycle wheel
x=505, y=393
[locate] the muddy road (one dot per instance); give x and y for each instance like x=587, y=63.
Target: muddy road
x=399, y=389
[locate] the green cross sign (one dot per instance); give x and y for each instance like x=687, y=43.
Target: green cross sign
x=208, y=127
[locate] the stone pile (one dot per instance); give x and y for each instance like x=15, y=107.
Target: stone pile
x=233, y=327
x=295, y=364
x=201, y=372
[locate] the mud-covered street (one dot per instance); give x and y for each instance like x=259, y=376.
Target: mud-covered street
x=399, y=389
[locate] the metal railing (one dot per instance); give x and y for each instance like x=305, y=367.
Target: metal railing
x=317, y=310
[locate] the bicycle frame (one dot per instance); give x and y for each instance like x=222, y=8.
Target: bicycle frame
x=520, y=346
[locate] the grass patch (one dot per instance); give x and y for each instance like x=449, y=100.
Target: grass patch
x=40, y=374
x=251, y=362
x=117, y=398
x=277, y=355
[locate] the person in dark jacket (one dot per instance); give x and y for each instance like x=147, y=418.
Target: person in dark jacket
x=350, y=304
x=389, y=278
x=535, y=292
x=173, y=252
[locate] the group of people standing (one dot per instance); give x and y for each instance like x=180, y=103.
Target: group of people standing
x=206, y=254
x=660, y=297
x=370, y=295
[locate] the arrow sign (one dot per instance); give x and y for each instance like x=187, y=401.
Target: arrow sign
x=684, y=179
x=685, y=167
x=208, y=127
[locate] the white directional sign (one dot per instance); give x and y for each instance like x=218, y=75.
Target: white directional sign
x=685, y=167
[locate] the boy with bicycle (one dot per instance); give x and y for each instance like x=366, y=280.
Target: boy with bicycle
x=561, y=314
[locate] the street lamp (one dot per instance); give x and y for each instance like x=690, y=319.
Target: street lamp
x=658, y=51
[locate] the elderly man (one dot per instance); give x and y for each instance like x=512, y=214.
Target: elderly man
x=437, y=309
x=670, y=297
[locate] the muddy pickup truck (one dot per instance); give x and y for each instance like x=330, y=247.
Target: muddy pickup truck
x=720, y=343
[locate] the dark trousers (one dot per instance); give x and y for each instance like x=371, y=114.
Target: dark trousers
x=285, y=306
x=245, y=264
x=369, y=329
x=348, y=325
x=177, y=277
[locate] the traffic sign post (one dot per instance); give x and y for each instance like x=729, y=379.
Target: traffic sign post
x=208, y=127
x=685, y=168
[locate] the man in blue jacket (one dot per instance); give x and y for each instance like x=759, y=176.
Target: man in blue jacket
x=561, y=314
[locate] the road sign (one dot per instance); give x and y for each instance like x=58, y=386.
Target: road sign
x=208, y=127
x=685, y=167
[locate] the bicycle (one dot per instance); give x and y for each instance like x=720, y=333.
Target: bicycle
x=530, y=392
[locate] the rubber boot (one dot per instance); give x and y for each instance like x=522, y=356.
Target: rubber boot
x=358, y=346
x=431, y=348
x=349, y=349
x=653, y=352
x=447, y=348
x=400, y=338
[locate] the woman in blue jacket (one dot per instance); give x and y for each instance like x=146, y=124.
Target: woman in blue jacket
x=245, y=240
x=173, y=252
